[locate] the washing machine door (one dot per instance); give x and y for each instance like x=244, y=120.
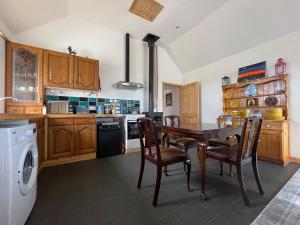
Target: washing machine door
x=28, y=167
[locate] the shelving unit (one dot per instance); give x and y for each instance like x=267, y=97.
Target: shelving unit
x=234, y=97
x=274, y=137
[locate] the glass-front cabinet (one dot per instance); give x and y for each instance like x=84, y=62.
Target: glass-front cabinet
x=25, y=75
x=23, y=78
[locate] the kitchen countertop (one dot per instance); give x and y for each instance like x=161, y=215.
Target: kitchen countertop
x=12, y=116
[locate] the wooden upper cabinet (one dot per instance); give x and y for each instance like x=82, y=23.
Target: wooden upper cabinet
x=58, y=69
x=86, y=74
x=85, y=138
x=24, y=80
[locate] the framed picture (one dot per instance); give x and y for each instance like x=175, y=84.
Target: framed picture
x=252, y=72
x=251, y=102
x=169, y=99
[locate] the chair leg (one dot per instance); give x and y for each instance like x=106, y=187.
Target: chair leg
x=166, y=171
x=187, y=163
x=221, y=168
x=141, y=172
x=256, y=174
x=230, y=170
x=184, y=164
x=242, y=185
x=157, y=186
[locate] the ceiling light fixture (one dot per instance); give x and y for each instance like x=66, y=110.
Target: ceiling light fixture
x=177, y=27
x=147, y=9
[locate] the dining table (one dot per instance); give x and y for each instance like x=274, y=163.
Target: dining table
x=203, y=133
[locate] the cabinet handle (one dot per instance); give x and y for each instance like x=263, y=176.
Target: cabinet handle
x=268, y=125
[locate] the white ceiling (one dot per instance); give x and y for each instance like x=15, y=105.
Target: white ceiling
x=112, y=14
x=21, y=15
x=236, y=26
x=209, y=29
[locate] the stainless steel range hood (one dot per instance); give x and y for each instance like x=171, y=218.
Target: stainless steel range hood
x=127, y=84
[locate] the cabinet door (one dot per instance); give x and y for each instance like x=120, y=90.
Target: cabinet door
x=86, y=74
x=85, y=141
x=60, y=141
x=24, y=74
x=41, y=144
x=58, y=69
x=270, y=145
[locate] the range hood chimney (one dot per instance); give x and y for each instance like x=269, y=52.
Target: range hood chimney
x=127, y=84
x=151, y=39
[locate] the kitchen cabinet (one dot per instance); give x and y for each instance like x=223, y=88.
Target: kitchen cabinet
x=60, y=141
x=85, y=138
x=273, y=142
x=86, y=74
x=24, y=80
x=70, y=137
x=58, y=69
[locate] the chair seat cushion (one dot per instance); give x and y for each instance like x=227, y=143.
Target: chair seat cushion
x=168, y=155
x=222, y=152
x=219, y=142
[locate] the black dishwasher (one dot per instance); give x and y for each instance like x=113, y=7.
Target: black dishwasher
x=109, y=137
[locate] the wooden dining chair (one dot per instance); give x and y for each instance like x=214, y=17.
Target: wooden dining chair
x=241, y=153
x=226, y=141
x=159, y=156
x=183, y=143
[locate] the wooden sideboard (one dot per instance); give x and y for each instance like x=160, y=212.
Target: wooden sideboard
x=274, y=137
x=274, y=142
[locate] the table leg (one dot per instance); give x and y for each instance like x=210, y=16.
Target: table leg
x=202, y=162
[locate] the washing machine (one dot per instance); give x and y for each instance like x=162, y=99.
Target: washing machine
x=18, y=172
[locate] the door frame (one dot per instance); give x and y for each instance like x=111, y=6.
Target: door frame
x=179, y=86
x=163, y=96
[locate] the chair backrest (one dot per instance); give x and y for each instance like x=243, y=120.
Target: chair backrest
x=172, y=119
x=249, y=138
x=147, y=129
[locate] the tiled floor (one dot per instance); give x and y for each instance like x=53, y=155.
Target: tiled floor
x=103, y=192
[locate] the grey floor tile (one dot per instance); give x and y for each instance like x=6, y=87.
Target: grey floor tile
x=103, y=192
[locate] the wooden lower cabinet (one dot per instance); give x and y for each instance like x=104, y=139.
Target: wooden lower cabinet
x=67, y=138
x=60, y=141
x=85, y=138
x=273, y=142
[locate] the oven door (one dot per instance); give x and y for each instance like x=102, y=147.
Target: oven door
x=132, y=129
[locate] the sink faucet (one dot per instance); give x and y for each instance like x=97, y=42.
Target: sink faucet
x=4, y=98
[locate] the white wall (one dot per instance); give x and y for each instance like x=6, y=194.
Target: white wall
x=167, y=72
x=210, y=78
x=7, y=33
x=109, y=47
x=175, y=108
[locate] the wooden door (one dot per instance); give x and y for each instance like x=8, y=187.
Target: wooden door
x=270, y=145
x=190, y=105
x=24, y=75
x=58, y=69
x=85, y=138
x=60, y=141
x=86, y=74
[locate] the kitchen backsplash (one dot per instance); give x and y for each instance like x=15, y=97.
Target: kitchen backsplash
x=123, y=106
